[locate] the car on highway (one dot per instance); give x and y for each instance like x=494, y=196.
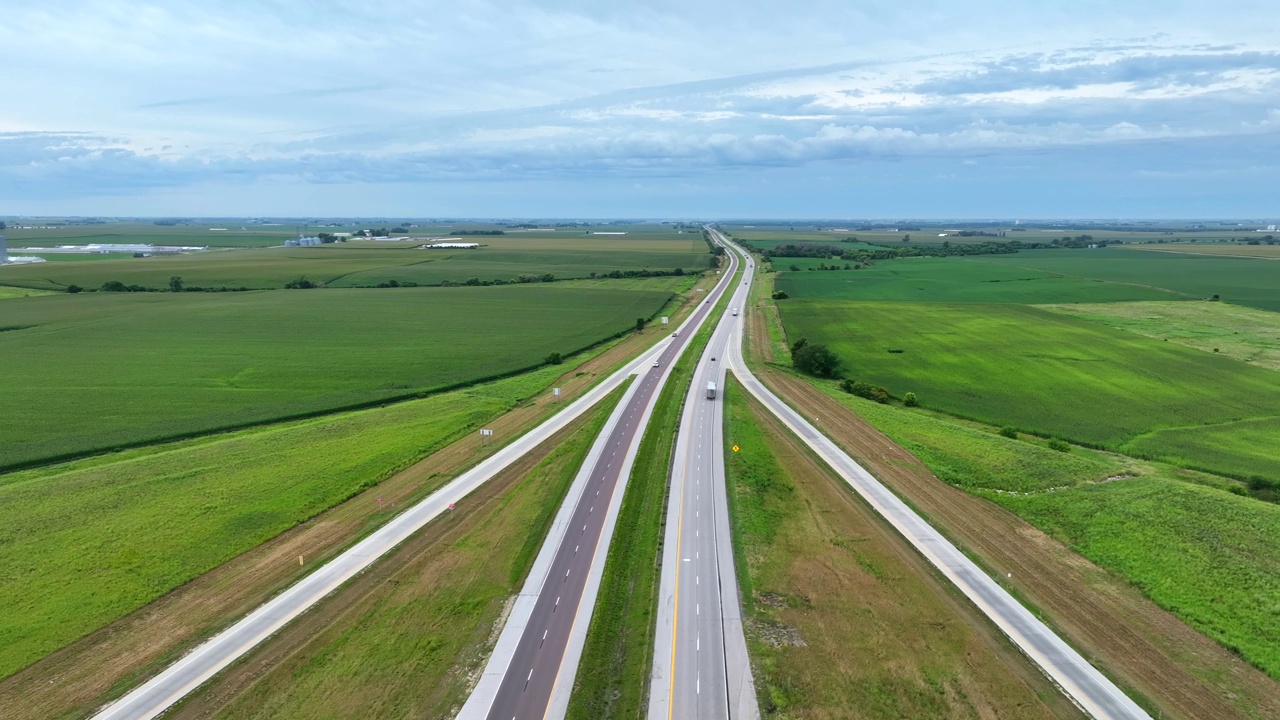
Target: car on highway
x=656, y=363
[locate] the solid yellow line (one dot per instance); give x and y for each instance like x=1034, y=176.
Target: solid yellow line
x=675, y=622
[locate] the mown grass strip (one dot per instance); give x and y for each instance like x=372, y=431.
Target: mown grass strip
x=613, y=674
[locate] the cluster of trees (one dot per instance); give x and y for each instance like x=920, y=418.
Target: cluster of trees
x=475, y=232
x=176, y=284
x=329, y=238
x=865, y=256
x=800, y=250
x=301, y=283
x=477, y=282
x=814, y=359
x=548, y=277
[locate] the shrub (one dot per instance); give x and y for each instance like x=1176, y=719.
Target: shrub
x=864, y=389
x=1009, y=432
x=780, y=295
x=554, y=358
x=114, y=286
x=1059, y=445
x=910, y=400
x=301, y=283
x=73, y=289
x=1257, y=482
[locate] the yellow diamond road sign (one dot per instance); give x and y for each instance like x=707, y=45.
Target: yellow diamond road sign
x=736, y=448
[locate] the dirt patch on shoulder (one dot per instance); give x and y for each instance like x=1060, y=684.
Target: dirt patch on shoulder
x=1142, y=646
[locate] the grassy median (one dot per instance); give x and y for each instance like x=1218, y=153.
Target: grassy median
x=613, y=675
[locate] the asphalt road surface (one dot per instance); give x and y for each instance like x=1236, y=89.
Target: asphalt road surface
x=537, y=665
x=1087, y=687
x=202, y=663
x=700, y=667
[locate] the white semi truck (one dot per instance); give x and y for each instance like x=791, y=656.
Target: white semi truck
x=711, y=391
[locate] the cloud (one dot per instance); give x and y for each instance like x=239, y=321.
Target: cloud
x=136, y=97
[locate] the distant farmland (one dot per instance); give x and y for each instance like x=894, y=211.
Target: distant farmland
x=952, y=280
x=368, y=263
x=90, y=372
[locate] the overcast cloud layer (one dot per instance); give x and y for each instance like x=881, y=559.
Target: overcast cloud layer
x=671, y=109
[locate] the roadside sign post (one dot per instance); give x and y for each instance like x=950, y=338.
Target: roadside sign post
x=485, y=434
x=666, y=320
x=555, y=394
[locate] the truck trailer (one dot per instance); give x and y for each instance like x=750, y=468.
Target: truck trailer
x=711, y=391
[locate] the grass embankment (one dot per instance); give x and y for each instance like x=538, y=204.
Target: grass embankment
x=89, y=541
x=1205, y=554
x=840, y=613
x=408, y=640
x=9, y=293
x=92, y=373
x=613, y=674
x=1053, y=375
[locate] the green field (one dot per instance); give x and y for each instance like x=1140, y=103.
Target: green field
x=1241, y=281
x=1207, y=555
x=90, y=372
x=952, y=280
x=1237, y=332
x=1037, y=370
x=86, y=542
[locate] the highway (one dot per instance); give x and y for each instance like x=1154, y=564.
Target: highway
x=700, y=665
x=1083, y=683
x=202, y=663
x=535, y=660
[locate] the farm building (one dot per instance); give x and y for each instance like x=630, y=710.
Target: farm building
x=450, y=246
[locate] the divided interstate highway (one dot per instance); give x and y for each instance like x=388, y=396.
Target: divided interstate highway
x=700, y=663
x=165, y=689
x=529, y=678
x=1083, y=683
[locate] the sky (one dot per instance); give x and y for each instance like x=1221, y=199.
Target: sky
x=646, y=109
